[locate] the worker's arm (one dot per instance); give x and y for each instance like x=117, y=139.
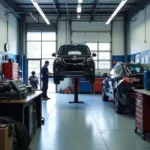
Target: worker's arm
x=50, y=74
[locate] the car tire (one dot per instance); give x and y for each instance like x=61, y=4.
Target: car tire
x=56, y=80
x=61, y=78
x=119, y=108
x=104, y=97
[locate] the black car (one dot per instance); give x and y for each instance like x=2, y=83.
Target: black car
x=118, y=86
x=74, y=60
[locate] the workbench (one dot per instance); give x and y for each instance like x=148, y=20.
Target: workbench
x=28, y=111
x=142, y=111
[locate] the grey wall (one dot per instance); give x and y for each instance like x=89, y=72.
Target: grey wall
x=13, y=31
x=139, y=36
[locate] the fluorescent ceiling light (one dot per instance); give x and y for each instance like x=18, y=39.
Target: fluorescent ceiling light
x=79, y=9
x=80, y=1
x=40, y=11
x=123, y=2
x=78, y=16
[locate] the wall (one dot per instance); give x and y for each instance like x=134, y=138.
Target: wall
x=118, y=41
x=13, y=33
x=138, y=42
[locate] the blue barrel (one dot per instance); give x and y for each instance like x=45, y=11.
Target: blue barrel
x=147, y=79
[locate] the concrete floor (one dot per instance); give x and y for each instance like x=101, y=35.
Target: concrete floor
x=90, y=126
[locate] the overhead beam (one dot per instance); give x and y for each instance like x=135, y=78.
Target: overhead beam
x=67, y=10
x=56, y=7
x=137, y=8
x=83, y=13
x=10, y=5
x=72, y=4
x=96, y=3
x=106, y=8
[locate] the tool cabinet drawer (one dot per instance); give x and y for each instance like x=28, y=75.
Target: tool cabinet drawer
x=139, y=117
x=139, y=112
x=140, y=97
x=139, y=102
x=139, y=124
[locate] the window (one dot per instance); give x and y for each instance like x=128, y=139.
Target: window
x=72, y=50
x=34, y=36
x=118, y=70
x=48, y=36
x=48, y=48
x=92, y=46
x=41, y=45
x=103, y=54
x=112, y=72
x=104, y=65
x=34, y=50
x=104, y=46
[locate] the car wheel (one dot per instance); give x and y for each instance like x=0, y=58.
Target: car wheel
x=61, y=78
x=56, y=80
x=119, y=108
x=104, y=97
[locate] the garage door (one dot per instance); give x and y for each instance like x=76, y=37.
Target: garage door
x=97, y=35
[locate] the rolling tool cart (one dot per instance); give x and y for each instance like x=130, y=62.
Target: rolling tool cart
x=142, y=111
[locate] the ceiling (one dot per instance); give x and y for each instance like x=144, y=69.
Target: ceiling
x=90, y=8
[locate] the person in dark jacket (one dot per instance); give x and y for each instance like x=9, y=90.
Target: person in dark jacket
x=45, y=74
x=33, y=80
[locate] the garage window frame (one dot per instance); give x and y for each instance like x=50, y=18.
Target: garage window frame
x=98, y=51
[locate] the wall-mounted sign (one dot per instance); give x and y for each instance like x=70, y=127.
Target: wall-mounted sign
x=137, y=58
x=143, y=60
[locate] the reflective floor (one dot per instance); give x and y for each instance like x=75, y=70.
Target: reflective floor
x=90, y=126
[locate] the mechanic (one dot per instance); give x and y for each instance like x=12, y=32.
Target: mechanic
x=45, y=74
x=33, y=80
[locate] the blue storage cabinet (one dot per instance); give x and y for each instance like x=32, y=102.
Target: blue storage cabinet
x=85, y=86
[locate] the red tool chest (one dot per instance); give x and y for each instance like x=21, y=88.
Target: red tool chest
x=97, y=87
x=10, y=71
x=142, y=113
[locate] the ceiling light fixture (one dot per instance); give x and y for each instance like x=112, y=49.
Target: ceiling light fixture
x=79, y=9
x=78, y=16
x=123, y=2
x=40, y=11
x=80, y=1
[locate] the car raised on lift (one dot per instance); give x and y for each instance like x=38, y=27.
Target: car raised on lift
x=74, y=60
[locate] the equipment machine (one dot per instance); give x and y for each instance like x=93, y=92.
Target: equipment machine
x=12, y=89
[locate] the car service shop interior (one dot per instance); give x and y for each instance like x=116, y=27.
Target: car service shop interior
x=98, y=74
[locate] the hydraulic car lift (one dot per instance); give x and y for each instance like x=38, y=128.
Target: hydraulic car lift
x=76, y=92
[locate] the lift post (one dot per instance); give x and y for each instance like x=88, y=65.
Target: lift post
x=76, y=92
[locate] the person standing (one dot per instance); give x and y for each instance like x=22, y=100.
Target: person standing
x=45, y=74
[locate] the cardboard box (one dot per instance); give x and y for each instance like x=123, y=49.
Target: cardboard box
x=6, y=142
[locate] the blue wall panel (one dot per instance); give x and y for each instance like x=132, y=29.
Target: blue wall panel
x=118, y=58
x=142, y=54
